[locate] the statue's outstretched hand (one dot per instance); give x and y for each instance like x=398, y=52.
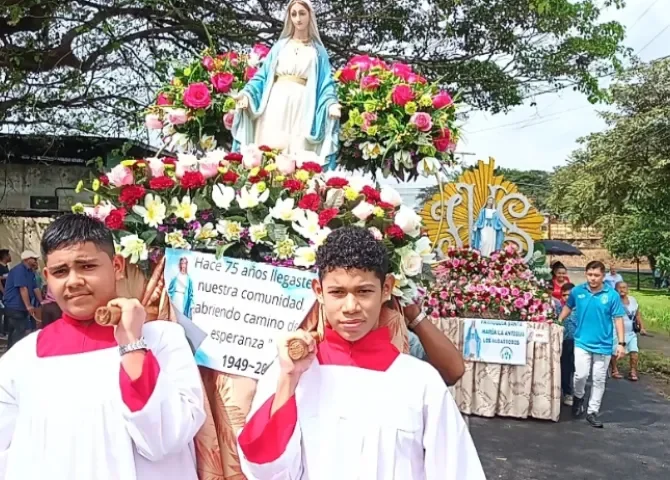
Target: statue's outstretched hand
x=242, y=102
x=335, y=111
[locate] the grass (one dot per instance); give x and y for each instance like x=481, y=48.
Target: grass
x=654, y=304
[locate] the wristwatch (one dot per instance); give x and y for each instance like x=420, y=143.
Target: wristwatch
x=623, y=344
x=133, y=347
x=419, y=318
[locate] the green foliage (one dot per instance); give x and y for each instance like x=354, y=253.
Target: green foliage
x=618, y=181
x=75, y=65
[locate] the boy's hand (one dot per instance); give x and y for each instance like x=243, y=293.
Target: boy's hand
x=295, y=368
x=133, y=316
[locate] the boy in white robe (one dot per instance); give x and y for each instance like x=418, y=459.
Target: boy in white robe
x=79, y=401
x=355, y=408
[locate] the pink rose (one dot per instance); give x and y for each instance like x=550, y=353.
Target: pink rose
x=422, y=121
x=369, y=118
x=415, y=78
x=442, y=99
x=208, y=63
x=249, y=73
x=120, y=176
x=370, y=82
x=231, y=57
x=177, y=116
x=163, y=100
x=228, y=120
x=153, y=122
x=285, y=164
x=208, y=167
x=261, y=50
x=197, y=95
x=402, y=95
x=402, y=70
x=443, y=141
x=156, y=166
x=361, y=62
x=348, y=75
x=252, y=157
x=223, y=82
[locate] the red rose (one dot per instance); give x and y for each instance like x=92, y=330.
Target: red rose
x=293, y=185
x=161, y=183
x=234, y=157
x=311, y=201
x=169, y=161
x=337, y=182
x=115, y=219
x=229, y=177
x=385, y=206
x=192, y=180
x=402, y=95
x=327, y=215
x=443, y=141
x=197, y=95
x=104, y=180
x=163, y=100
x=312, y=167
x=208, y=63
x=371, y=195
x=223, y=82
x=348, y=75
x=370, y=82
x=131, y=194
x=257, y=178
x=264, y=148
x=395, y=232
x=249, y=73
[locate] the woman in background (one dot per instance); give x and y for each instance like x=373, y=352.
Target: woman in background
x=632, y=323
x=559, y=277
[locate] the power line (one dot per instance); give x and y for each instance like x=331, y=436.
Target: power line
x=643, y=14
x=653, y=39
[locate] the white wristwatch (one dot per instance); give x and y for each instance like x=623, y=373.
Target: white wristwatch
x=419, y=318
x=133, y=347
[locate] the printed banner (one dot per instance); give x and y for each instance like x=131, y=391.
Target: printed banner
x=233, y=310
x=494, y=341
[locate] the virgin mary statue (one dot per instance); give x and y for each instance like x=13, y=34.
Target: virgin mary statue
x=489, y=232
x=291, y=103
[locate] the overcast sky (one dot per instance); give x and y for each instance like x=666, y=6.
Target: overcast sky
x=542, y=136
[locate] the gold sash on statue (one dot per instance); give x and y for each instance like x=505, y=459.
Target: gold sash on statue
x=291, y=78
x=227, y=397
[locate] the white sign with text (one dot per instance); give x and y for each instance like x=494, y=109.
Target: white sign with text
x=234, y=310
x=494, y=341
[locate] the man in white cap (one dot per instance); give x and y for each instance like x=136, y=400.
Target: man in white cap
x=21, y=294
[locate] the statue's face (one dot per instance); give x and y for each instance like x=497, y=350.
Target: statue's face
x=300, y=17
x=489, y=203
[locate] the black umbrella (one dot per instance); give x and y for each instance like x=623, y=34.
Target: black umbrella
x=556, y=247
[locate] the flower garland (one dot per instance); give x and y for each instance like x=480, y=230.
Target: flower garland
x=397, y=121
x=259, y=204
x=501, y=286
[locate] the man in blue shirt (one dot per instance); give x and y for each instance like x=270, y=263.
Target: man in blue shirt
x=21, y=296
x=595, y=305
x=5, y=260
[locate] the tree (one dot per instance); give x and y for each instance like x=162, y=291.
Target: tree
x=618, y=181
x=90, y=65
x=534, y=184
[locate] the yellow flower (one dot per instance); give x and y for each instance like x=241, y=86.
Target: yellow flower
x=338, y=74
x=176, y=82
x=280, y=178
x=370, y=106
x=96, y=199
x=222, y=170
x=285, y=248
x=261, y=186
x=187, y=71
x=372, y=130
x=79, y=187
x=302, y=175
x=95, y=185
x=379, y=212
x=350, y=194
x=229, y=104
x=77, y=208
x=426, y=101
x=411, y=108
x=128, y=163
x=271, y=168
x=254, y=171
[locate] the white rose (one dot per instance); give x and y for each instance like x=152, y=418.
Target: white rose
x=223, y=196
x=408, y=221
x=391, y=196
x=363, y=210
x=185, y=163
x=411, y=263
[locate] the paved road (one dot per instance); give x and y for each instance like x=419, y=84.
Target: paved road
x=635, y=442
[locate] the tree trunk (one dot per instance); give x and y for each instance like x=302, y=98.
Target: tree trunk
x=637, y=264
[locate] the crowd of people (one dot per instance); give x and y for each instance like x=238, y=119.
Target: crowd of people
x=79, y=400
x=601, y=323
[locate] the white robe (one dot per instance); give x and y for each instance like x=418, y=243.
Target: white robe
x=362, y=424
x=63, y=417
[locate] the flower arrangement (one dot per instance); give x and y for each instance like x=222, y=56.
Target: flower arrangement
x=501, y=286
x=192, y=109
x=259, y=204
x=397, y=121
